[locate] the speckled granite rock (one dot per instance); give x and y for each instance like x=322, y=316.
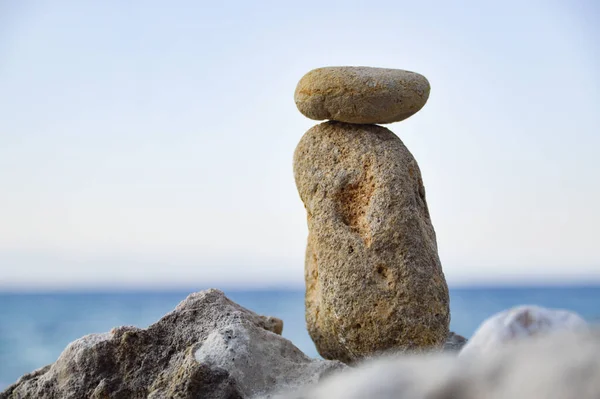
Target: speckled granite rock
x=557, y=366
x=208, y=347
x=518, y=323
x=361, y=94
x=373, y=277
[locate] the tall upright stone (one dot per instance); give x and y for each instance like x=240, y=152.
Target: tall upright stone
x=374, y=281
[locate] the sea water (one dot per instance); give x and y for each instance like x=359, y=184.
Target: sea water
x=35, y=328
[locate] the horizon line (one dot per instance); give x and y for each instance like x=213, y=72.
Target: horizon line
x=176, y=288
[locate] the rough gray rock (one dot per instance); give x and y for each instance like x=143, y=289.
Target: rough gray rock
x=454, y=342
x=556, y=366
x=208, y=347
x=361, y=94
x=374, y=281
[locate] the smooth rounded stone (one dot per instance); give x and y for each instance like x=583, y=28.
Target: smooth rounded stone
x=558, y=366
x=373, y=277
x=361, y=94
x=518, y=323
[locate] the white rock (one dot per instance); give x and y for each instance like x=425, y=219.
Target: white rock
x=556, y=366
x=518, y=323
x=260, y=361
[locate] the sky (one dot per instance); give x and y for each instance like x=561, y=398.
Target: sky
x=146, y=144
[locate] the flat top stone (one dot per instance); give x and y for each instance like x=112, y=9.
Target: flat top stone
x=362, y=95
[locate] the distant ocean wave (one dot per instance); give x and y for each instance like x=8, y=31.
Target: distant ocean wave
x=35, y=328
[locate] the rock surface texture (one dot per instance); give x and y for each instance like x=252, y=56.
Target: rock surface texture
x=454, y=342
x=518, y=323
x=559, y=366
x=373, y=277
x=208, y=347
x=361, y=94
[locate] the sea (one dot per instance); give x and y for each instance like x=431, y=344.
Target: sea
x=36, y=327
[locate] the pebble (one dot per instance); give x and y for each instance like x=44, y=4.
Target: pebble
x=361, y=95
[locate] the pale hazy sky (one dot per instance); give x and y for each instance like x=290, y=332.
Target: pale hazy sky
x=150, y=143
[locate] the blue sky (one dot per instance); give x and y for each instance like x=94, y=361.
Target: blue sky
x=146, y=144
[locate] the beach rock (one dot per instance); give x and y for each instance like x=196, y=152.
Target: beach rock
x=519, y=323
x=361, y=94
x=208, y=347
x=454, y=342
x=558, y=366
x=373, y=277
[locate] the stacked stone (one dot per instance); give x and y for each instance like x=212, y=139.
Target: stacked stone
x=374, y=281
